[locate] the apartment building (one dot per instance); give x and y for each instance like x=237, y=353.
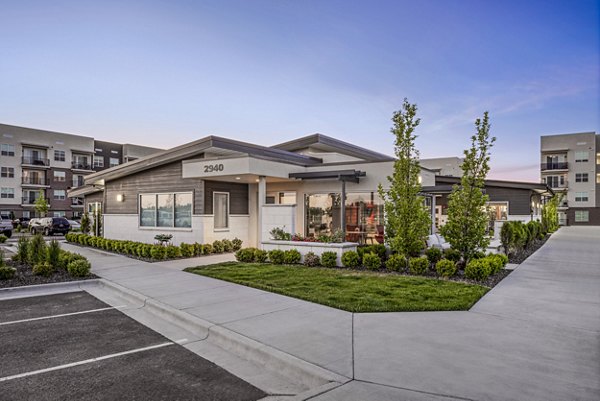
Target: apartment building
x=35, y=162
x=570, y=165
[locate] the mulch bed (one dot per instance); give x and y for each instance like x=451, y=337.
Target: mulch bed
x=24, y=276
x=520, y=257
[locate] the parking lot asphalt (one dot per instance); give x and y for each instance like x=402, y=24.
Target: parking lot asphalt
x=75, y=347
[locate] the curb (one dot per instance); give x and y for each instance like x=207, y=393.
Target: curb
x=310, y=375
x=28, y=291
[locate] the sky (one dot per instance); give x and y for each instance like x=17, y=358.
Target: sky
x=163, y=73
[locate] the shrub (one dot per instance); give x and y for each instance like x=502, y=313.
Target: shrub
x=371, y=261
x=79, y=268
x=245, y=255
x=207, y=249
x=147, y=253
x=311, y=259
x=279, y=234
x=478, y=255
x=172, y=252
x=198, y=249
x=478, y=269
x=43, y=269
x=3, y=238
x=433, y=255
x=22, y=253
x=163, y=238
x=452, y=254
x=291, y=257
x=237, y=244
x=53, y=253
x=217, y=246
x=446, y=268
x=276, y=256
x=329, y=259
x=496, y=263
x=260, y=256
x=350, y=259
x=158, y=252
x=396, y=262
x=37, y=250
x=187, y=250
x=502, y=257
x=378, y=249
x=418, y=265
x=7, y=272
x=227, y=245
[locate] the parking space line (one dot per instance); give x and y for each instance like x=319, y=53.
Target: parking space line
x=61, y=315
x=84, y=362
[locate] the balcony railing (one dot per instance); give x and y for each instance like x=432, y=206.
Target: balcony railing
x=555, y=166
x=81, y=165
x=35, y=161
x=33, y=180
x=29, y=200
x=76, y=202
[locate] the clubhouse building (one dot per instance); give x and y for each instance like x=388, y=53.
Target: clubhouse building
x=219, y=188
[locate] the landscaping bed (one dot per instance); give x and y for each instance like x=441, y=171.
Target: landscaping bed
x=158, y=252
x=25, y=276
x=350, y=290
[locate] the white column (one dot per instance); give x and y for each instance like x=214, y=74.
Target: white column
x=432, y=214
x=262, y=194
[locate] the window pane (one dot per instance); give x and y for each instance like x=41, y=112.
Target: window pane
x=322, y=214
x=165, y=210
x=183, y=210
x=221, y=211
x=148, y=210
x=364, y=218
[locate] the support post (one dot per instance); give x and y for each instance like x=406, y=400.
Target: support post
x=262, y=194
x=343, y=209
x=432, y=214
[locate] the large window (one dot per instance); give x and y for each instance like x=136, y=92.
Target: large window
x=498, y=210
x=99, y=161
x=60, y=194
x=364, y=216
x=582, y=216
x=60, y=176
x=166, y=210
x=113, y=161
x=581, y=177
x=221, y=210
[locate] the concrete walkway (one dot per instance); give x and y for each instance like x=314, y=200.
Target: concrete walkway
x=535, y=336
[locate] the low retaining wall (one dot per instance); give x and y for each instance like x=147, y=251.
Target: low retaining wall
x=316, y=247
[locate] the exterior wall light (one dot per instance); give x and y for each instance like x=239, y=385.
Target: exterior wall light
x=120, y=197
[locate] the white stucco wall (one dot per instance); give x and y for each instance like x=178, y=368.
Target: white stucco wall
x=278, y=216
x=125, y=227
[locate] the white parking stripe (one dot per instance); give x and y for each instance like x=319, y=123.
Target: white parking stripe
x=70, y=365
x=61, y=315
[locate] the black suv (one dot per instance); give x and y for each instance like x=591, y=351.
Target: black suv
x=51, y=226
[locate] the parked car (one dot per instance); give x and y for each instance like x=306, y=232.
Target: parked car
x=21, y=221
x=33, y=225
x=6, y=227
x=51, y=226
x=75, y=225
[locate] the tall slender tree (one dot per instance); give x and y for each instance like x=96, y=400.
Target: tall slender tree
x=407, y=220
x=467, y=222
x=41, y=204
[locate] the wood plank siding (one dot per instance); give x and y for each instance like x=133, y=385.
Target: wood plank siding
x=238, y=196
x=163, y=179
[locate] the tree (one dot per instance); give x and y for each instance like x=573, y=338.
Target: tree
x=41, y=205
x=407, y=219
x=550, y=214
x=85, y=223
x=467, y=215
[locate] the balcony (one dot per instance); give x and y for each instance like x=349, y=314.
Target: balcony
x=555, y=166
x=77, y=182
x=29, y=200
x=77, y=202
x=33, y=180
x=35, y=161
x=81, y=165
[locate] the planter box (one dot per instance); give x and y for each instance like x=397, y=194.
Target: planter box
x=316, y=247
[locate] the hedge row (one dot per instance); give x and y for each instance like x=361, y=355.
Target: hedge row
x=516, y=236
x=445, y=267
x=44, y=259
x=154, y=251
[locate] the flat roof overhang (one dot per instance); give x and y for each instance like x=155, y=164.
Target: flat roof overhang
x=341, y=175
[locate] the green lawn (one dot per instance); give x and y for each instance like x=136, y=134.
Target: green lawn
x=353, y=291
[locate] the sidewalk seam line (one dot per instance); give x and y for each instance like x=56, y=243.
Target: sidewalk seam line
x=416, y=391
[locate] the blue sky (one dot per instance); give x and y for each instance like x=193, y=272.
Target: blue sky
x=162, y=73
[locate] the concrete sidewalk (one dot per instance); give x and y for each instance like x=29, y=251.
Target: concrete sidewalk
x=535, y=336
